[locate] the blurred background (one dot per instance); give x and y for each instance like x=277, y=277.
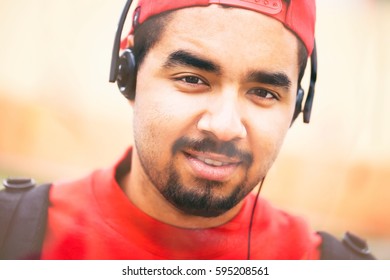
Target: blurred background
x=60, y=118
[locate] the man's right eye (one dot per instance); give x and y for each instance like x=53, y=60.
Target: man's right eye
x=191, y=80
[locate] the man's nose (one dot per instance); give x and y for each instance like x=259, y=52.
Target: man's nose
x=223, y=118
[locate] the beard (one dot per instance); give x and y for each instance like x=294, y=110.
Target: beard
x=200, y=197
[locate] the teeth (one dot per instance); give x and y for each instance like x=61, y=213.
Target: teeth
x=212, y=162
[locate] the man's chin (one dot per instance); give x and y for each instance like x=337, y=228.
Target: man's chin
x=202, y=198
x=204, y=213
x=206, y=205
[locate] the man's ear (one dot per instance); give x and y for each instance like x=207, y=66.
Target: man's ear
x=130, y=41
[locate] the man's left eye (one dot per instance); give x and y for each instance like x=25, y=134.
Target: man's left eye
x=262, y=93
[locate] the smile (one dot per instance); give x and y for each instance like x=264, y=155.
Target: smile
x=212, y=162
x=212, y=167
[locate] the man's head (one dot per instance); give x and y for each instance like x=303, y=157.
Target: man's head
x=214, y=100
x=297, y=15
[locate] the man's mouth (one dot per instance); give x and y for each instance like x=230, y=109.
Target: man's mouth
x=213, y=167
x=212, y=162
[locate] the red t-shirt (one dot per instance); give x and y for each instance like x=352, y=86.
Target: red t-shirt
x=92, y=218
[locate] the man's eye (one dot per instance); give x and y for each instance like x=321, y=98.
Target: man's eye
x=262, y=93
x=191, y=80
x=191, y=83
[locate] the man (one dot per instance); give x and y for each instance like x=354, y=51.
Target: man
x=214, y=93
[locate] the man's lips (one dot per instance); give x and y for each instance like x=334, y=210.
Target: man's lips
x=213, y=158
x=210, y=166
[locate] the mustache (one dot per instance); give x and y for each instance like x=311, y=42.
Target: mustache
x=228, y=149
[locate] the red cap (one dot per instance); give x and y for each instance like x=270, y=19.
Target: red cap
x=298, y=16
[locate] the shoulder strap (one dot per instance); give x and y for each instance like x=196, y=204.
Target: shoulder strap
x=350, y=248
x=23, y=218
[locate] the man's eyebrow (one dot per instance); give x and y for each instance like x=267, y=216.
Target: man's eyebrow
x=278, y=79
x=185, y=58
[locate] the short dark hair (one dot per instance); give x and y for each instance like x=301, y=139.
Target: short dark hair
x=302, y=60
x=150, y=32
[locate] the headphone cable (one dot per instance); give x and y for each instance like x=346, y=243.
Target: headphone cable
x=251, y=219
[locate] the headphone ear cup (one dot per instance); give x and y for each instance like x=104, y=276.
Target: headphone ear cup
x=298, y=104
x=126, y=74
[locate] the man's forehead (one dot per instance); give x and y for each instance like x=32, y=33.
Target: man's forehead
x=203, y=38
x=209, y=17
x=216, y=25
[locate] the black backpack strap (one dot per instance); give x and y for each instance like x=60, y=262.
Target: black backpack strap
x=23, y=218
x=351, y=247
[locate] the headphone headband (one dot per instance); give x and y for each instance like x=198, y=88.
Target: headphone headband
x=117, y=43
x=313, y=79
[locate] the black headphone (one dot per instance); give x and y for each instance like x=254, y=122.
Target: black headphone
x=123, y=70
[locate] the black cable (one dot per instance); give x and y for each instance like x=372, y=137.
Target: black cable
x=251, y=219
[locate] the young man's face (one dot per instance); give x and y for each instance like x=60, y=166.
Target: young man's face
x=214, y=100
